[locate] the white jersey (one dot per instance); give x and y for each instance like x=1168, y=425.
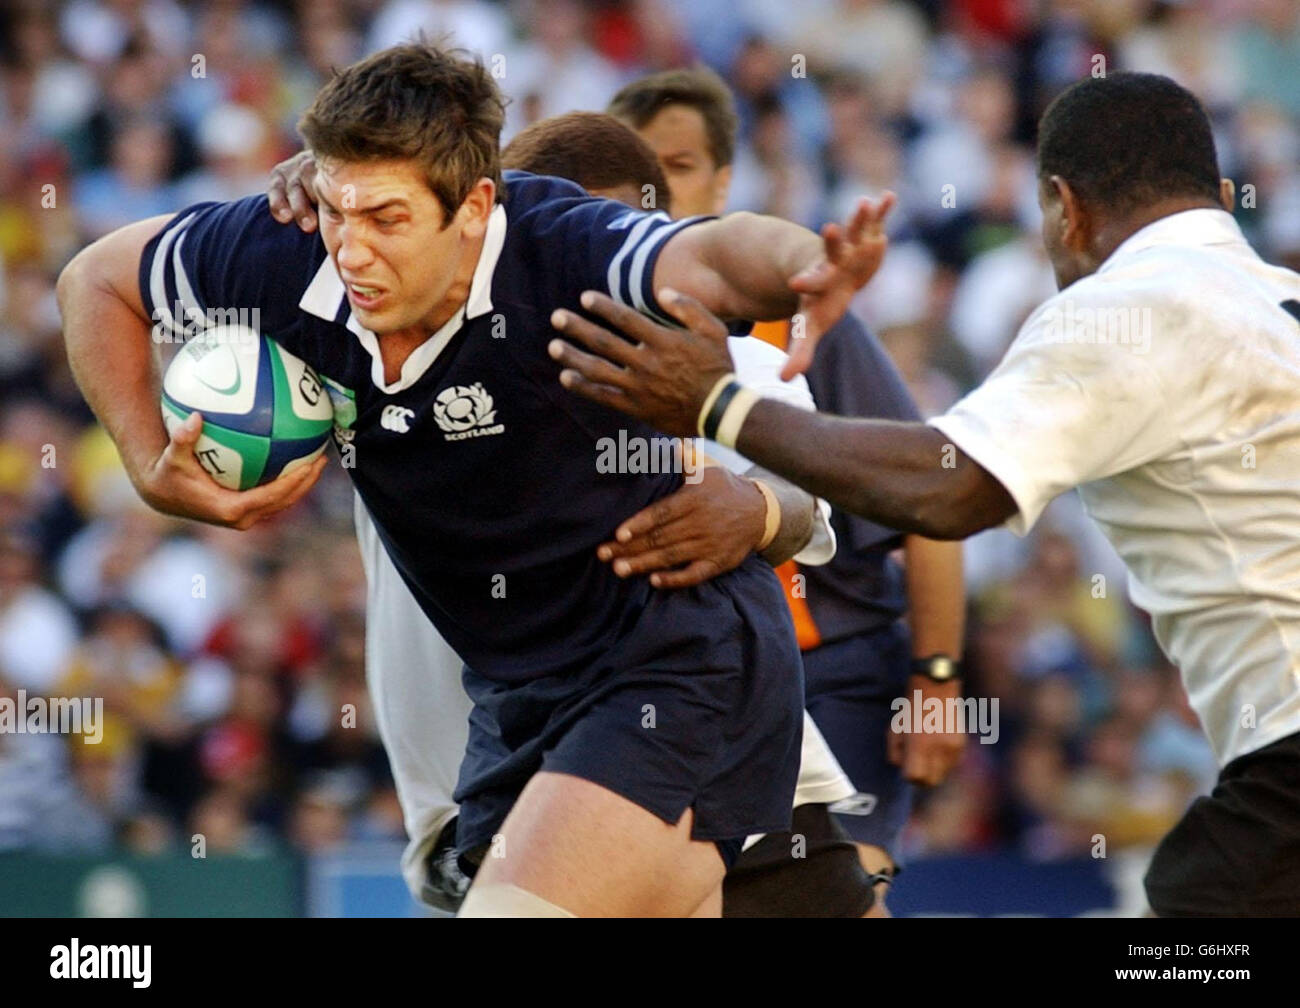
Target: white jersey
x=414, y=676
x=1166, y=386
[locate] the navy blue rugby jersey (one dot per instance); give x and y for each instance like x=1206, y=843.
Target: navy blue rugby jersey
x=479, y=468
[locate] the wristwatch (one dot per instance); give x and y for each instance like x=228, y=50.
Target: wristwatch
x=937, y=668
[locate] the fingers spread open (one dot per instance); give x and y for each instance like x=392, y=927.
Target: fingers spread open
x=693, y=315
x=605, y=395
x=629, y=320
x=801, y=356
x=595, y=338
x=589, y=366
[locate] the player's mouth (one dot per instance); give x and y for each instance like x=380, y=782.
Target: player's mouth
x=365, y=297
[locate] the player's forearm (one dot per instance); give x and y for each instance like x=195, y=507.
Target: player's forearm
x=113, y=358
x=748, y=262
x=906, y=476
x=936, y=596
x=798, y=510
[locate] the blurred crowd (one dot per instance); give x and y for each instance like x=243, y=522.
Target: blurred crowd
x=231, y=664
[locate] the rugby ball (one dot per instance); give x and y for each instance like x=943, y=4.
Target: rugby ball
x=264, y=410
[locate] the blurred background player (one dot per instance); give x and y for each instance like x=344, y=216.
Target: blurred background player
x=858, y=654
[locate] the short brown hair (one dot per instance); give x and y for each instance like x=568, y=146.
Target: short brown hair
x=698, y=88
x=590, y=148
x=417, y=101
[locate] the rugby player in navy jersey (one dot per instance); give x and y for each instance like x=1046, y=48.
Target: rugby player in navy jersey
x=623, y=741
x=414, y=677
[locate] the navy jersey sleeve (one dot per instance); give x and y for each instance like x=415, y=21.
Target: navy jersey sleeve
x=218, y=262
x=598, y=244
x=853, y=375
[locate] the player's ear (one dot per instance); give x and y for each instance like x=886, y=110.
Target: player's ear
x=1227, y=194
x=1076, y=222
x=476, y=208
x=721, y=188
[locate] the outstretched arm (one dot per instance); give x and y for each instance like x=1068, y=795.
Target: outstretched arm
x=906, y=476
x=750, y=266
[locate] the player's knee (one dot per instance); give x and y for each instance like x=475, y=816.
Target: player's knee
x=501, y=899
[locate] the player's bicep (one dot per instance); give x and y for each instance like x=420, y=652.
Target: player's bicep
x=683, y=266
x=1051, y=419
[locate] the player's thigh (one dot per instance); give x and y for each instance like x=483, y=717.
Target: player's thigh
x=594, y=853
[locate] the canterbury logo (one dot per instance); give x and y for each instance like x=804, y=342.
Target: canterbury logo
x=466, y=411
x=396, y=418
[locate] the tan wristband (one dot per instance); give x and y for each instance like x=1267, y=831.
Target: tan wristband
x=734, y=418
x=772, y=519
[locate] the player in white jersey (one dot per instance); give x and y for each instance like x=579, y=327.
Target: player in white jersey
x=1162, y=381
x=414, y=676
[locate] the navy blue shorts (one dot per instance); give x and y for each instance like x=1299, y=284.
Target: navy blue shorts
x=698, y=707
x=851, y=684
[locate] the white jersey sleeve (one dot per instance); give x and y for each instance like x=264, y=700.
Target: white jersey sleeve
x=1063, y=409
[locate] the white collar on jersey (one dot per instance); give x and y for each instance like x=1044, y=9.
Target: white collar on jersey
x=1204, y=226
x=325, y=297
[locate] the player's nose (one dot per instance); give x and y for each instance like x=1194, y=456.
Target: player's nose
x=354, y=252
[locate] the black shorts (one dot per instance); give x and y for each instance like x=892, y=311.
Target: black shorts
x=1236, y=853
x=698, y=707
x=811, y=870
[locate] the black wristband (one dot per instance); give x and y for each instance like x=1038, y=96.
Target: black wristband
x=937, y=668
x=719, y=410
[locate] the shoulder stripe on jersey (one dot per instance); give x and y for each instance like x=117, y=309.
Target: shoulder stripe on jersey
x=616, y=264
x=158, y=280
x=635, y=279
x=184, y=292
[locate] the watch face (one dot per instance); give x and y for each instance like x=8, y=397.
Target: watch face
x=942, y=668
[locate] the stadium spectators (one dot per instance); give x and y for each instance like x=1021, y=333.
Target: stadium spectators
x=231, y=664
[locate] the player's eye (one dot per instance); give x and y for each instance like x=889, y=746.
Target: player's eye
x=331, y=213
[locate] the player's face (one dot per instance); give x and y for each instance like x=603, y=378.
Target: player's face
x=680, y=141
x=404, y=265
